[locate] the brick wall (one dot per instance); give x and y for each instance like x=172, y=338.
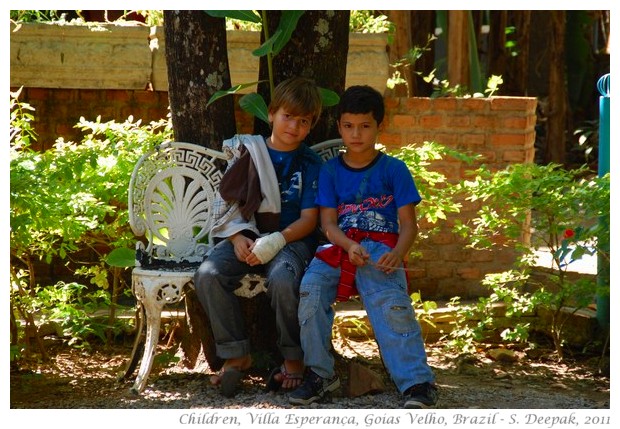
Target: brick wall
x=502, y=130
x=499, y=128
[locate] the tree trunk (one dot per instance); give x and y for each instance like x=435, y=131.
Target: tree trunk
x=497, y=44
x=192, y=36
x=458, y=53
x=197, y=61
x=319, y=35
x=520, y=68
x=556, y=122
x=318, y=49
x=398, y=50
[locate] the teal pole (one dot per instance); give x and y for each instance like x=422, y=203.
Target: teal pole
x=603, y=279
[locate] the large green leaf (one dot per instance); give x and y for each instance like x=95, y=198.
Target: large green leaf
x=243, y=15
x=255, y=105
x=329, y=97
x=267, y=46
x=282, y=35
x=286, y=26
x=121, y=257
x=233, y=90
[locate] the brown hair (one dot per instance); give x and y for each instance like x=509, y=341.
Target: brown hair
x=299, y=96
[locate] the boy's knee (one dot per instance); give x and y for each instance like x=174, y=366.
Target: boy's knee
x=204, y=275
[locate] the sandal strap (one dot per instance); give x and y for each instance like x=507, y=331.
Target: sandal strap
x=290, y=375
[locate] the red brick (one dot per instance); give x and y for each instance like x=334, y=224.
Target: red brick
x=442, y=238
x=483, y=123
x=445, y=139
x=402, y=121
x=474, y=104
x=468, y=273
x=444, y=104
x=120, y=96
x=473, y=139
x=144, y=96
x=457, y=121
x=390, y=139
x=418, y=104
x=518, y=123
x=508, y=139
x=415, y=138
x=516, y=156
x=431, y=121
x=34, y=94
x=437, y=271
x=519, y=104
x=391, y=103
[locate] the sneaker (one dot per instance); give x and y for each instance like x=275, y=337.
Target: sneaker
x=421, y=396
x=313, y=389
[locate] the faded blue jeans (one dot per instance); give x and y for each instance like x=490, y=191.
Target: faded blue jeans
x=216, y=280
x=389, y=310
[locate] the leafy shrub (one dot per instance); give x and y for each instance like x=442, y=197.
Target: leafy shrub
x=532, y=207
x=70, y=199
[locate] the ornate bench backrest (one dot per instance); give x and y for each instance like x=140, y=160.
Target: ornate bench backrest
x=171, y=192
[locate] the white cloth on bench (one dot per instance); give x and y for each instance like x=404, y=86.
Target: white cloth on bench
x=226, y=218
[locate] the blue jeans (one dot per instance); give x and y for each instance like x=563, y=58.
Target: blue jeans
x=389, y=310
x=216, y=280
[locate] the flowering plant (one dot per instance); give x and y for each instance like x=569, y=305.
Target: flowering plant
x=544, y=208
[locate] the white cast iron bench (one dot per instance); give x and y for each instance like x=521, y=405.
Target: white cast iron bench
x=170, y=196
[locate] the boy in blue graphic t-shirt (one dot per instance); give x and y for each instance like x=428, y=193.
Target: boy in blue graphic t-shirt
x=367, y=205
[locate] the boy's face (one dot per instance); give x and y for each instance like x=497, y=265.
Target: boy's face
x=358, y=131
x=287, y=130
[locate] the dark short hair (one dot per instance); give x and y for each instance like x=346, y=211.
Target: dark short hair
x=299, y=96
x=362, y=99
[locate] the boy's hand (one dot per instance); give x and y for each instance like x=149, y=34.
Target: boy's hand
x=358, y=255
x=389, y=262
x=242, y=245
x=265, y=248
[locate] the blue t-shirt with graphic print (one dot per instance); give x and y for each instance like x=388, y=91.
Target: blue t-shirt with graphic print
x=367, y=198
x=297, y=172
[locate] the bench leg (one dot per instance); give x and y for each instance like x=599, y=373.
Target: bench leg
x=153, y=310
x=138, y=345
x=153, y=292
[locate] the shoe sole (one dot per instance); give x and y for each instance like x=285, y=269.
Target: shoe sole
x=231, y=382
x=412, y=404
x=328, y=389
x=418, y=404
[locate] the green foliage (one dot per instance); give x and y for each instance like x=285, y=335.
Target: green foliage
x=588, y=138
x=34, y=15
x=408, y=62
x=368, y=21
x=151, y=17
x=567, y=214
x=441, y=88
x=423, y=309
x=70, y=199
x=438, y=194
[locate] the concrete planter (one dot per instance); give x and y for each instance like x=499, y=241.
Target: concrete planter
x=133, y=57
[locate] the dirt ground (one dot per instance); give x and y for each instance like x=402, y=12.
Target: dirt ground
x=88, y=380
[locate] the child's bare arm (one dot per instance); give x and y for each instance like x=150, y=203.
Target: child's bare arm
x=329, y=221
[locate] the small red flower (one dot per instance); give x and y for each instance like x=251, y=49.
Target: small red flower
x=569, y=233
